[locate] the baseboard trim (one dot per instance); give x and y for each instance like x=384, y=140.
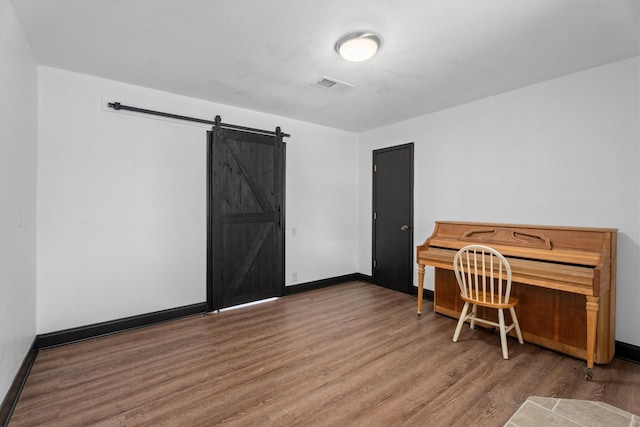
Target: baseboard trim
x=628, y=352
x=363, y=278
x=13, y=394
x=324, y=283
x=68, y=336
x=426, y=293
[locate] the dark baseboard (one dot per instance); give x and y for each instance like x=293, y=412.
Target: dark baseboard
x=628, y=352
x=11, y=398
x=363, y=278
x=324, y=283
x=67, y=336
x=426, y=293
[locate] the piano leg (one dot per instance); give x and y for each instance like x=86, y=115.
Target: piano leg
x=420, y=289
x=592, y=326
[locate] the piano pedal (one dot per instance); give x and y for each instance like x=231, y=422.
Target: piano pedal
x=588, y=374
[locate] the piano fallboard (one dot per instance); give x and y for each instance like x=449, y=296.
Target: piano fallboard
x=571, y=278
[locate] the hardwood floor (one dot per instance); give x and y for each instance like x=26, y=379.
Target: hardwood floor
x=352, y=354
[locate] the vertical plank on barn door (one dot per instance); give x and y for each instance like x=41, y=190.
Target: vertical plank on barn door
x=246, y=217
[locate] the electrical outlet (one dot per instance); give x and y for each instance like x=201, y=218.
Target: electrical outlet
x=294, y=277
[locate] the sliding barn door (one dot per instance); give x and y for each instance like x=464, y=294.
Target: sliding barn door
x=246, y=215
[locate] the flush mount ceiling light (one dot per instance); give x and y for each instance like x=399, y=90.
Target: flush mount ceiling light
x=358, y=46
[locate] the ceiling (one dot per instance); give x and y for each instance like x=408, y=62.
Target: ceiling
x=264, y=55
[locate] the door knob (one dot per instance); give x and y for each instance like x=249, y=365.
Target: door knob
x=404, y=227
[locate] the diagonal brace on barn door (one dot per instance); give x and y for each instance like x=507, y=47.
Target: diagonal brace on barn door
x=249, y=258
x=254, y=184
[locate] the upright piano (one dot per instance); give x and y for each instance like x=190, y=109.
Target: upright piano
x=564, y=279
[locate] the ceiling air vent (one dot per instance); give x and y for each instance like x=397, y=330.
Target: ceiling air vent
x=333, y=85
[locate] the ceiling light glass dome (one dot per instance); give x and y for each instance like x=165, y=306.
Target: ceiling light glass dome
x=358, y=46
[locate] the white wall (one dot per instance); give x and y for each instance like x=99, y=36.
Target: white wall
x=18, y=142
x=562, y=152
x=121, y=200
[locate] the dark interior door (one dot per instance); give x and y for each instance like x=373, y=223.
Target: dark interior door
x=246, y=208
x=393, y=217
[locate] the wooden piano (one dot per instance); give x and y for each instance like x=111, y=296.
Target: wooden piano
x=563, y=277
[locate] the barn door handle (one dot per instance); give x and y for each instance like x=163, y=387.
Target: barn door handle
x=404, y=227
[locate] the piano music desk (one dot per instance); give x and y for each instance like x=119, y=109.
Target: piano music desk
x=563, y=277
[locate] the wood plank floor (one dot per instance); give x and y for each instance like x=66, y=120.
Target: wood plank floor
x=348, y=355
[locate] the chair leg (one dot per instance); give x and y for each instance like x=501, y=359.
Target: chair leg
x=461, y=321
x=514, y=319
x=503, y=334
x=474, y=312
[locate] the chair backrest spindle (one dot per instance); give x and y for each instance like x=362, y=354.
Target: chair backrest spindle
x=483, y=274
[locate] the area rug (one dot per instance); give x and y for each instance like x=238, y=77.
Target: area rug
x=549, y=412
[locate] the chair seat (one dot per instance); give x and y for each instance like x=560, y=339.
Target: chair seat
x=480, y=301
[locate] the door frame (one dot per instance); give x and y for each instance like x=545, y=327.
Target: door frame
x=410, y=146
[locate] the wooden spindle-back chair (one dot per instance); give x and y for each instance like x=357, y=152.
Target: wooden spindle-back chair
x=484, y=279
